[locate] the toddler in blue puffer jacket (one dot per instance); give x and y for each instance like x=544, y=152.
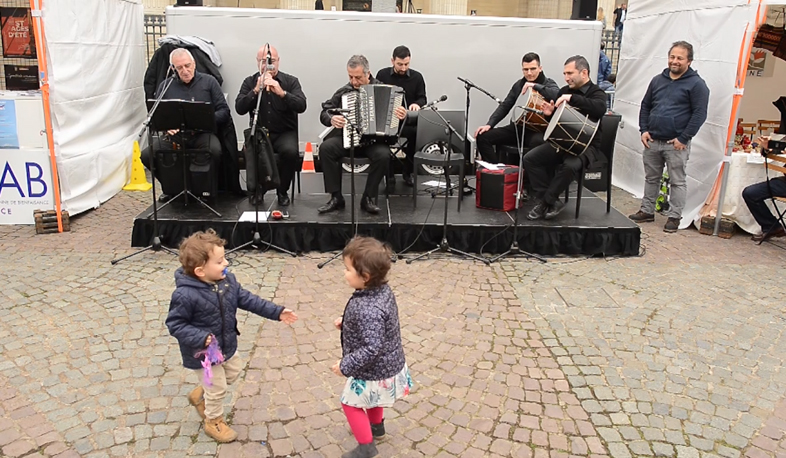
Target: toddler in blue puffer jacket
x=203, y=307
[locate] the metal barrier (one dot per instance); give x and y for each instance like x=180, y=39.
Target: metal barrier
x=155, y=28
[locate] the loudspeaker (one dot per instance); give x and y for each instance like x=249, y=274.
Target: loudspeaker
x=189, y=3
x=585, y=10
x=203, y=178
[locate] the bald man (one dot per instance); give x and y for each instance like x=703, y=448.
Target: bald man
x=282, y=101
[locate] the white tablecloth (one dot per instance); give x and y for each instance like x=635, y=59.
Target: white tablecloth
x=746, y=169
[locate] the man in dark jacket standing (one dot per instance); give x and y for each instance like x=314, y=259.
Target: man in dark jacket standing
x=551, y=172
x=672, y=112
x=282, y=101
x=490, y=137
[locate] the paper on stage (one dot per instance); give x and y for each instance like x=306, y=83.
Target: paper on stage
x=248, y=217
x=440, y=184
x=489, y=165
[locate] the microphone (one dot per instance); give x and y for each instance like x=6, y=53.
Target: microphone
x=270, y=66
x=431, y=104
x=532, y=110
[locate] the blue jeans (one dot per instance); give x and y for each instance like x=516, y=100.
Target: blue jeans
x=756, y=196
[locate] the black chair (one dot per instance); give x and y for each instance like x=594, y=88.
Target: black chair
x=608, y=124
x=424, y=157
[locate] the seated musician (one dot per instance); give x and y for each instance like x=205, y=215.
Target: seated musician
x=489, y=137
x=332, y=150
x=282, y=101
x=756, y=197
x=550, y=172
x=192, y=85
x=414, y=97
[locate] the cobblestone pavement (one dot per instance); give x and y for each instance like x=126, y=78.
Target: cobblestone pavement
x=678, y=352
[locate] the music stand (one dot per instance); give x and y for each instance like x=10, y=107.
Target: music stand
x=183, y=115
x=155, y=244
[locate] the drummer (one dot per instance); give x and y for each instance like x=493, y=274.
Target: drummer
x=550, y=172
x=488, y=136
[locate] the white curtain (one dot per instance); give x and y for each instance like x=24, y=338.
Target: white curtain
x=716, y=30
x=96, y=56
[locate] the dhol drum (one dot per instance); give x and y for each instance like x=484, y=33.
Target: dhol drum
x=570, y=131
x=532, y=99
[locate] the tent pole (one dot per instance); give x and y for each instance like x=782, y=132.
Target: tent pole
x=742, y=71
x=36, y=7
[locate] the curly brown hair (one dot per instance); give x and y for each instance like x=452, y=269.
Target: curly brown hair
x=369, y=257
x=195, y=249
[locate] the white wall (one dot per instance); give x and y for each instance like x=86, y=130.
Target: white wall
x=315, y=46
x=760, y=92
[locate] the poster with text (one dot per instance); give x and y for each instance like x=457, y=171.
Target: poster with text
x=18, y=39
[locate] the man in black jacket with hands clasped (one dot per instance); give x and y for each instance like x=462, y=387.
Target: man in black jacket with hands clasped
x=550, y=171
x=282, y=101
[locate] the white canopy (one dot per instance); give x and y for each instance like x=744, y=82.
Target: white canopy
x=716, y=29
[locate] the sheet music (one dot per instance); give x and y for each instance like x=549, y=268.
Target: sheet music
x=249, y=217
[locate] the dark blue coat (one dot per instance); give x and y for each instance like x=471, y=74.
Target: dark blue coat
x=199, y=309
x=371, y=336
x=674, y=108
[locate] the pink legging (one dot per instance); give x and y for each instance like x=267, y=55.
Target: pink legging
x=360, y=421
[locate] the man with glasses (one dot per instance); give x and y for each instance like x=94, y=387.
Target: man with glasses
x=489, y=137
x=282, y=101
x=190, y=85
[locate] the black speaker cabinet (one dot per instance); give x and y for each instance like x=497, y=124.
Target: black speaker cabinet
x=586, y=10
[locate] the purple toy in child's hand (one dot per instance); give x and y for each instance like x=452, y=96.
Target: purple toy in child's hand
x=212, y=356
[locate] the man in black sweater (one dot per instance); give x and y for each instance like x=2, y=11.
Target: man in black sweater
x=490, y=137
x=414, y=97
x=194, y=86
x=550, y=171
x=282, y=101
x=332, y=150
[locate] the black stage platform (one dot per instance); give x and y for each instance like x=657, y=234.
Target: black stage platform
x=475, y=230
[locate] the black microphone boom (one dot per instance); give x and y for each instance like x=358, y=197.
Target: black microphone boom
x=471, y=84
x=441, y=99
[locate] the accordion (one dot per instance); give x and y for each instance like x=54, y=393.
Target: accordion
x=370, y=112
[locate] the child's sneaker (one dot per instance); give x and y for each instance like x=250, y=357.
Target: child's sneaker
x=196, y=399
x=219, y=430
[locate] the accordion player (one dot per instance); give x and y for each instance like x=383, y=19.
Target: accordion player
x=370, y=112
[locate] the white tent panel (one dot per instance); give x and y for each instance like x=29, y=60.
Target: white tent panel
x=96, y=58
x=652, y=26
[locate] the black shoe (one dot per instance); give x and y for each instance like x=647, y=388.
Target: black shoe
x=362, y=451
x=408, y=179
x=524, y=195
x=672, y=224
x=164, y=197
x=368, y=205
x=390, y=184
x=333, y=204
x=378, y=431
x=555, y=209
x=538, y=212
x=283, y=200
x=641, y=217
x=256, y=199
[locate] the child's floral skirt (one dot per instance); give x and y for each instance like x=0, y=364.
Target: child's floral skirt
x=366, y=394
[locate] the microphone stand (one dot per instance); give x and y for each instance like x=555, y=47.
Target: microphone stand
x=514, y=249
x=256, y=239
x=354, y=133
x=443, y=246
x=155, y=245
x=467, y=86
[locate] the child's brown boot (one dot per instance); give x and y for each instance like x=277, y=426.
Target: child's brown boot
x=219, y=430
x=196, y=399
